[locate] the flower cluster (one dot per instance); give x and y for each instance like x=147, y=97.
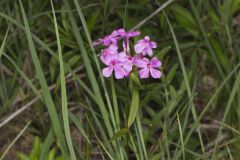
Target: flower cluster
x=122, y=62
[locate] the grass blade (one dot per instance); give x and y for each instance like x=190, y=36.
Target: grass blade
x=109, y=156
x=15, y=139
x=63, y=91
x=76, y=121
x=229, y=103
x=4, y=41
x=47, y=144
x=140, y=133
x=80, y=13
x=181, y=135
x=94, y=84
x=185, y=79
x=90, y=72
x=46, y=93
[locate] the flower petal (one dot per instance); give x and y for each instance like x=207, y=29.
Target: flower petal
x=106, y=41
x=126, y=47
x=144, y=73
x=146, y=38
x=107, y=58
x=155, y=73
x=153, y=44
x=122, y=57
x=141, y=63
x=155, y=63
x=128, y=66
x=96, y=43
x=149, y=51
x=127, y=75
x=121, y=32
x=122, y=54
x=119, y=72
x=112, y=49
x=107, y=71
x=139, y=47
x=132, y=34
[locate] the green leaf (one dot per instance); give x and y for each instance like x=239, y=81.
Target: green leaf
x=163, y=52
x=91, y=22
x=36, y=148
x=133, y=107
x=171, y=74
x=51, y=154
x=22, y=156
x=219, y=53
x=59, y=158
x=47, y=144
x=120, y=133
x=235, y=6
x=53, y=68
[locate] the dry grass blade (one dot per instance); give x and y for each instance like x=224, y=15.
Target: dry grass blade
x=16, y=113
x=15, y=139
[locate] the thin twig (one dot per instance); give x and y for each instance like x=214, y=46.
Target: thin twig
x=16, y=113
x=15, y=139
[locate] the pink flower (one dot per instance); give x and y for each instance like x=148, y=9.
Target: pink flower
x=122, y=63
x=127, y=61
x=131, y=34
x=147, y=67
x=118, y=33
x=114, y=36
x=106, y=41
x=122, y=33
x=144, y=46
x=136, y=58
x=114, y=64
x=106, y=54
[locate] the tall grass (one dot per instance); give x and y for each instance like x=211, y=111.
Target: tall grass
x=46, y=93
x=192, y=112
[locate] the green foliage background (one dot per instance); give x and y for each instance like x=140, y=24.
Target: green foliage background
x=51, y=85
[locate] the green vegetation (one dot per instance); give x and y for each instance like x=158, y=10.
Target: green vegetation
x=55, y=104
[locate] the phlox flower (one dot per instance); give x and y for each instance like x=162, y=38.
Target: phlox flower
x=122, y=63
x=114, y=63
x=137, y=57
x=114, y=36
x=107, y=53
x=123, y=34
x=148, y=67
x=106, y=41
x=127, y=61
x=144, y=46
